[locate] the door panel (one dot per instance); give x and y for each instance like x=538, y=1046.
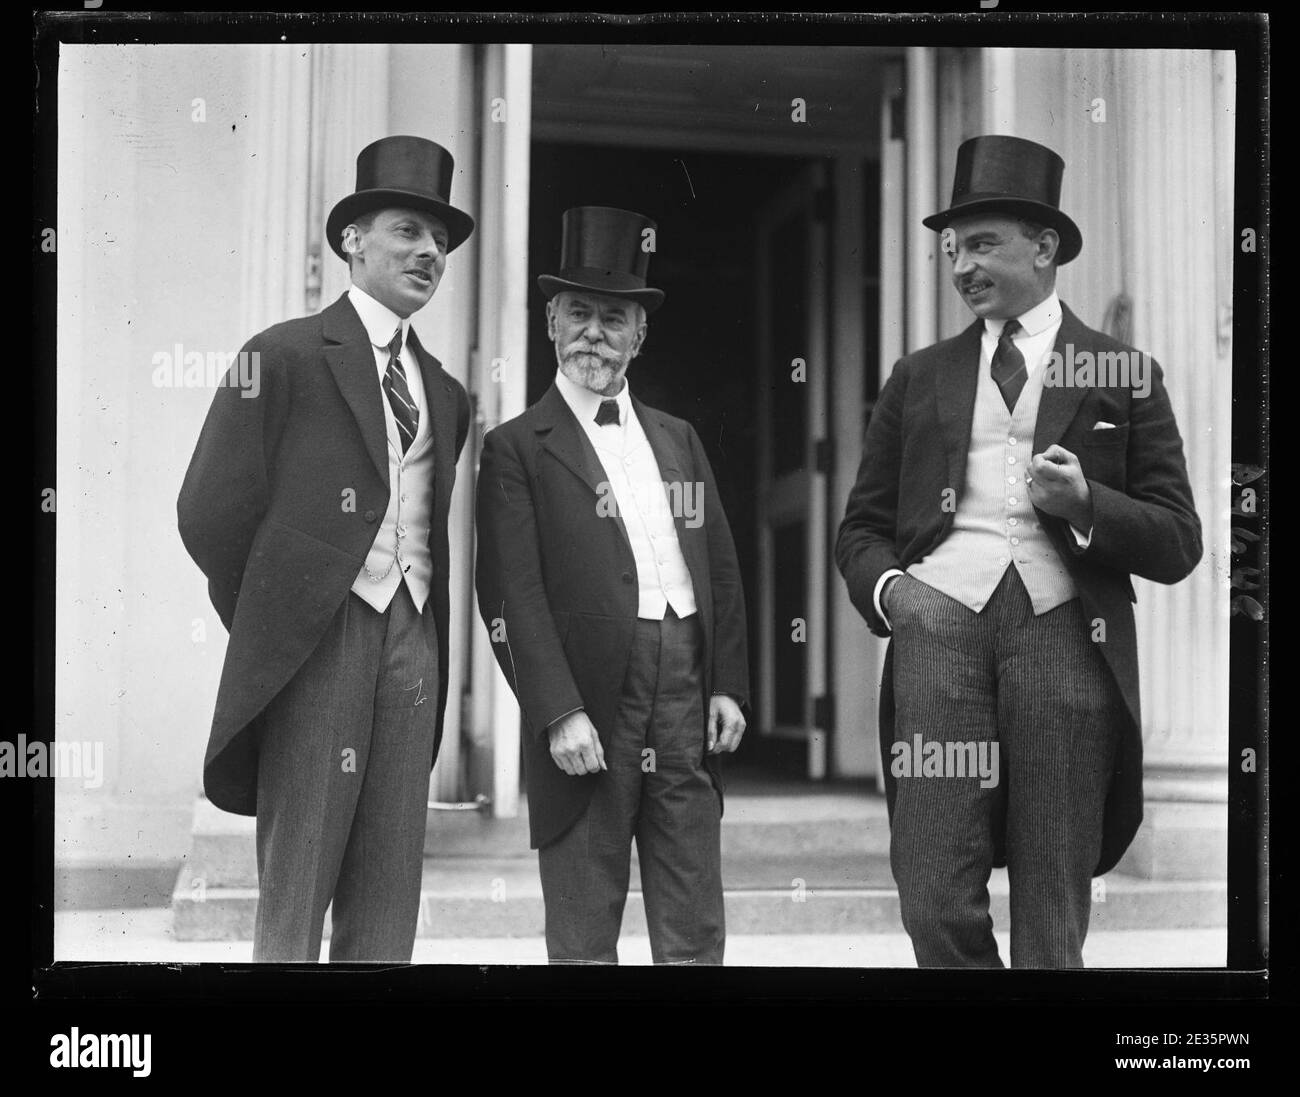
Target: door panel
x=792, y=247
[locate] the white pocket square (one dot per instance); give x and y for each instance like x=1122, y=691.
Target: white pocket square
x=1101, y=424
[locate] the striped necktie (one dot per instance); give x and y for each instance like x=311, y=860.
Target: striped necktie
x=1008, y=365
x=399, y=393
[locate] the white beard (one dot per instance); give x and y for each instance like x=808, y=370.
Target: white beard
x=592, y=372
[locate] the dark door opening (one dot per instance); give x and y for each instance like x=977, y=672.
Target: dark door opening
x=699, y=361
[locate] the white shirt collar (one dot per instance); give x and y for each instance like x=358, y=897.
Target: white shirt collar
x=378, y=319
x=1034, y=322
x=584, y=403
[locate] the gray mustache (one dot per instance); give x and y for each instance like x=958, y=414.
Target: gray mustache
x=582, y=348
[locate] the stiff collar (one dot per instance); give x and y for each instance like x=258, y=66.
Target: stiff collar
x=378, y=319
x=1034, y=322
x=584, y=403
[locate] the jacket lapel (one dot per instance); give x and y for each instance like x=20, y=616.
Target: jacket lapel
x=351, y=360
x=1059, y=405
x=955, y=380
x=440, y=403
x=563, y=437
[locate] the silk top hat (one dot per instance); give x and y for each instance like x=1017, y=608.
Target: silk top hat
x=601, y=252
x=406, y=172
x=1012, y=176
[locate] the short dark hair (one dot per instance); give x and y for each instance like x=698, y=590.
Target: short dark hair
x=363, y=221
x=1033, y=230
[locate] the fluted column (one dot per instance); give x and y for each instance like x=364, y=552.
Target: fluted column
x=350, y=107
x=1147, y=139
x=272, y=228
x=1178, y=147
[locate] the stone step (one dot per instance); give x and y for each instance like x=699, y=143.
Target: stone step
x=779, y=828
x=501, y=897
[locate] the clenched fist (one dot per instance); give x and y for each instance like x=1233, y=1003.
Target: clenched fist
x=1057, y=486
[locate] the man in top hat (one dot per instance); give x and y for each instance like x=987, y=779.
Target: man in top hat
x=317, y=508
x=607, y=577
x=1003, y=501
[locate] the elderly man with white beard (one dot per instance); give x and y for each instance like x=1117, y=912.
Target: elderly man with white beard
x=617, y=617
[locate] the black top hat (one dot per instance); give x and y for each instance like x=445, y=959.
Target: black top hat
x=410, y=172
x=602, y=252
x=1010, y=175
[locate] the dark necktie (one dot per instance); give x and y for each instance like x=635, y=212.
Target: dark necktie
x=399, y=394
x=1008, y=366
x=608, y=413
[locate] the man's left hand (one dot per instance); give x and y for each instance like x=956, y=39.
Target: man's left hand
x=1057, y=486
x=726, y=724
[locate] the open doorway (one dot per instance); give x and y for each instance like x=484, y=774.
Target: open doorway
x=701, y=358
x=760, y=166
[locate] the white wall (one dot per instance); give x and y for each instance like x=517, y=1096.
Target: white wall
x=149, y=209
x=178, y=231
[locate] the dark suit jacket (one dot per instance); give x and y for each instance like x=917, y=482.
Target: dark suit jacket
x=1143, y=518
x=562, y=579
x=262, y=513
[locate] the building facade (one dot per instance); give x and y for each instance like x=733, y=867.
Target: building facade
x=789, y=184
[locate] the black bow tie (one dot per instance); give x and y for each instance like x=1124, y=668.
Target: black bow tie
x=608, y=413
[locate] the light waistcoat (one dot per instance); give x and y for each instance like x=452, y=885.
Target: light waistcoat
x=994, y=526
x=400, y=550
x=663, y=579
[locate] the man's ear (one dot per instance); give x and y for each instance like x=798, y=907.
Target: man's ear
x=1049, y=242
x=351, y=241
x=550, y=320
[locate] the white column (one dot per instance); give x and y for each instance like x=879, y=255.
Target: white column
x=999, y=78
x=156, y=157
x=922, y=198
x=350, y=108
x=1178, y=135
x=501, y=363
x=273, y=225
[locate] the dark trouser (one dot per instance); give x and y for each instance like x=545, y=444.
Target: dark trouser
x=342, y=788
x=1040, y=688
x=657, y=790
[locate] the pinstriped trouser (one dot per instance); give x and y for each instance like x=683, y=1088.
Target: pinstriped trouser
x=343, y=788
x=1040, y=688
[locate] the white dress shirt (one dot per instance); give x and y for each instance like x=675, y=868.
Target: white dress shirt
x=634, y=479
x=381, y=323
